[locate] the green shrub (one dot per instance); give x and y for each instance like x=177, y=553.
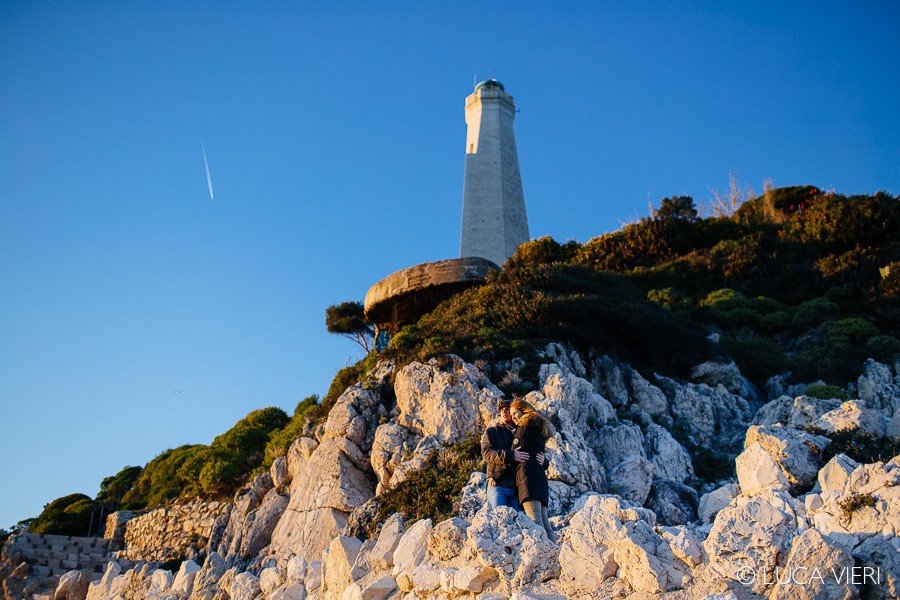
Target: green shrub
x=853, y=329
x=827, y=392
x=858, y=445
x=432, y=491
x=759, y=358
x=853, y=503
x=68, y=515
x=159, y=483
x=220, y=469
x=114, y=488
x=813, y=312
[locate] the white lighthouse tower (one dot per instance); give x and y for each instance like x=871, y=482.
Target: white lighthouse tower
x=494, y=221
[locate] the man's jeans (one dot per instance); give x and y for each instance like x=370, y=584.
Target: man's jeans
x=502, y=496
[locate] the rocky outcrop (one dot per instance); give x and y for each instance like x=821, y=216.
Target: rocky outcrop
x=650, y=537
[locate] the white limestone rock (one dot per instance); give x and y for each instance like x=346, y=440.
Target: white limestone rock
x=806, y=411
x=726, y=374
x=392, y=445
x=392, y=531
x=447, y=539
x=616, y=443
x=354, y=417
x=426, y=578
x=674, y=503
x=412, y=547
x=262, y=521
x=573, y=394
x=446, y=398
x=752, y=533
x=645, y=395
x=314, y=576
x=270, y=579
x=854, y=416
x=712, y=416
x=878, y=388
x=296, y=570
x=716, y=500
x=797, y=453
x=835, y=474
x=298, y=454
x=473, y=496
x=608, y=381
x=207, y=580
x=473, y=579
x=879, y=557
x=338, y=563
x=670, y=460
x=606, y=537
x=245, y=587
x=380, y=589
x=242, y=515
x=184, y=580
x=279, y=473
x=74, y=585
x=509, y=542
x=809, y=572
x=329, y=487
x=757, y=471
x=633, y=478
x=774, y=412
x=566, y=358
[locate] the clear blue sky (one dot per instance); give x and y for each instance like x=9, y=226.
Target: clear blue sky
x=137, y=314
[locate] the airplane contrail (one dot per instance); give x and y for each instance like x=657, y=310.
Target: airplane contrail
x=206, y=164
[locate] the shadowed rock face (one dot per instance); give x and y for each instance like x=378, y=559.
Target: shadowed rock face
x=404, y=296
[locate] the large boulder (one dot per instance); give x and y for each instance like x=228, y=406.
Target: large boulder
x=709, y=415
x=242, y=515
x=750, y=535
x=810, y=572
x=879, y=559
x=446, y=398
x=670, y=460
x=726, y=374
x=712, y=502
x=207, y=580
x=854, y=416
x=878, y=388
x=795, y=454
x=338, y=564
x=513, y=545
x=74, y=585
x=632, y=479
x=323, y=494
x=674, y=503
x=610, y=537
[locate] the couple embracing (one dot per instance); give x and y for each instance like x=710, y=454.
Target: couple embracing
x=513, y=452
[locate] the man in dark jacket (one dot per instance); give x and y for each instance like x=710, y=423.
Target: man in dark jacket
x=501, y=460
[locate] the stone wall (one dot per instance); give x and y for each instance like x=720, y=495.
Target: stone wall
x=169, y=532
x=52, y=555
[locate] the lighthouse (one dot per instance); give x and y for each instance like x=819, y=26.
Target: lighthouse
x=494, y=221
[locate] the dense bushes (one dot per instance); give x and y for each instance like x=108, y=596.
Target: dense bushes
x=160, y=483
x=430, y=492
x=70, y=515
x=218, y=470
x=796, y=280
x=525, y=306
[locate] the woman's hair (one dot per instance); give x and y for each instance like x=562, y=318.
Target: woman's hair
x=529, y=413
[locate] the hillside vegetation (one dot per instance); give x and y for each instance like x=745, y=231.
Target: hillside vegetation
x=796, y=281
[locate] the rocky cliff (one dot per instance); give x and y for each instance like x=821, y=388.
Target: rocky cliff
x=633, y=516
